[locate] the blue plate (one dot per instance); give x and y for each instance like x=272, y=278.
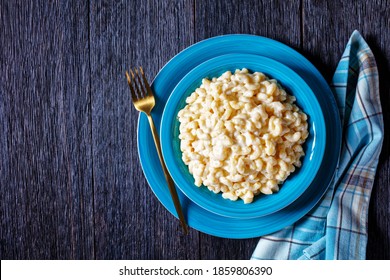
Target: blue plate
x=167, y=79
x=262, y=204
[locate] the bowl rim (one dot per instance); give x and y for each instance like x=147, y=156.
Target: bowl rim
x=169, y=119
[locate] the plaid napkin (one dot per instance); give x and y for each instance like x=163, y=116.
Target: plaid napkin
x=337, y=227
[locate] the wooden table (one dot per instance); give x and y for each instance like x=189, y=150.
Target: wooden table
x=70, y=180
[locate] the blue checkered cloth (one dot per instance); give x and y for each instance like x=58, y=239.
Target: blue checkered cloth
x=337, y=227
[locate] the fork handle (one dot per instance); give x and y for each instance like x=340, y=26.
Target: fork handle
x=168, y=178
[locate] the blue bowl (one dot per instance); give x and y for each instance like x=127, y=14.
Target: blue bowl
x=296, y=183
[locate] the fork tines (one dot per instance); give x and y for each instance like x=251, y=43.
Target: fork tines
x=139, y=87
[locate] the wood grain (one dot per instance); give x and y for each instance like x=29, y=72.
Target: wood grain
x=280, y=20
x=327, y=28
x=71, y=186
x=130, y=222
x=45, y=162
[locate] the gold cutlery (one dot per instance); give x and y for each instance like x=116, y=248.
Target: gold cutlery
x=144, y=101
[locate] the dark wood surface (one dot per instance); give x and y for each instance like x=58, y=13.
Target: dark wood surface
x=71, y=186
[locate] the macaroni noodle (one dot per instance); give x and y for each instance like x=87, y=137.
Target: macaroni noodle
x=241, y=134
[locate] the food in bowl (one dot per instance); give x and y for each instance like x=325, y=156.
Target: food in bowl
x=241, y=134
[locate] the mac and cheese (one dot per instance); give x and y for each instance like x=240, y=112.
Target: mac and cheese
x=241, y=134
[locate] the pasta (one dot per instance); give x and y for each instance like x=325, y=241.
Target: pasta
x=241, y=134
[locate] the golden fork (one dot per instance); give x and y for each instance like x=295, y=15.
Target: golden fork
x=143, y=100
